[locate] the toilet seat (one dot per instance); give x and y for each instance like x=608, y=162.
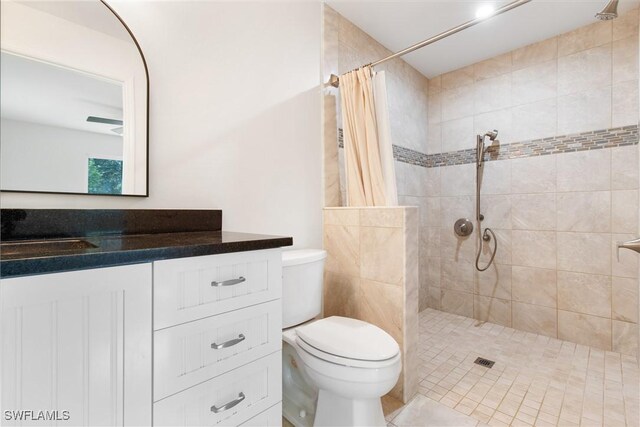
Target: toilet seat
x=348, y=342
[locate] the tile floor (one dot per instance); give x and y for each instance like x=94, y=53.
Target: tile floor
x=536, y=380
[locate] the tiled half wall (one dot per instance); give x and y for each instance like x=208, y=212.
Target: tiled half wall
x=371, y=274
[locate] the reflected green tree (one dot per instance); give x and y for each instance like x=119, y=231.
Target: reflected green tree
x=105, y=176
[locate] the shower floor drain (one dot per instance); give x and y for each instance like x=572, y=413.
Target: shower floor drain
x=484, y=362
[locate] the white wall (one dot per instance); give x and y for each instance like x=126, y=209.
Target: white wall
x=48, y=158
x=234, y=115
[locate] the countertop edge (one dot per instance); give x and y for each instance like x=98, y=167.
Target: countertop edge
x=10, y=268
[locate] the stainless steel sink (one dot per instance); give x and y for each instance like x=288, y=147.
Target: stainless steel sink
x=43, y=247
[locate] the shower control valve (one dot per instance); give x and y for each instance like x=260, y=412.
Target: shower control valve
x=463, y=227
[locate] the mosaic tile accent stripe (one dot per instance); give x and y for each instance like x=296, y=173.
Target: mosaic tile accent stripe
x=592, y=140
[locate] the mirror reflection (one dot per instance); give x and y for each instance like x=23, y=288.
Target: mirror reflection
x=73, y=103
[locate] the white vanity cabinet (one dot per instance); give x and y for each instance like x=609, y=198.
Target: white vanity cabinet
x=182, y=342
x=218, y=340
x=79, y=341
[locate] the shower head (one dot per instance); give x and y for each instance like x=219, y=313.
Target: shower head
x=609, y=12
x=492, y=134
x=480, y=147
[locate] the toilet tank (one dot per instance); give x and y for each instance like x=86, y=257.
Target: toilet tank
x=302, y=273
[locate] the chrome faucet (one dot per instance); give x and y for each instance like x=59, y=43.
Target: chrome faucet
x=634, y=245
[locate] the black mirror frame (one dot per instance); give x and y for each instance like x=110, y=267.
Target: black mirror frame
x=146, y=71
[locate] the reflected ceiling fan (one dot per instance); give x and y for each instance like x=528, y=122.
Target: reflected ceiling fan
x=104, y=120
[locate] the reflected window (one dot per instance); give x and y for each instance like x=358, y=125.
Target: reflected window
x=105, y=176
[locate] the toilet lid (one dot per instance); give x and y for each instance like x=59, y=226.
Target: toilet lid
x=349, y=338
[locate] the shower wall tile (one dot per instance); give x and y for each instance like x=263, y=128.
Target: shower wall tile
x=534, y=248
x=533, y=211
x=626, y=25
x=584, y=111
x=456, y=302
x=456, y=134
x=497, y=211
x=496, y=179
x=493, y=67
x=625, y=59
x=377, y=246
x=536, y=53
x=457, y=102
x=433, y=298
x=586, y=37
x=584, y=171
x=535, y=318
x=434, y=108
x=625, y=102
x=452, y=208
x=455, y=179
x=432, y=182
x=493, y=94
x=495, y=282
x=504, y=255
x=584, y=293
x=460, y=249
x=492, y=310
x=534, y=175
x=584, y=211
x=535, y=83
x=535, y=120
x=433, y=210
x=434, y=139
x=625, y=337
x=624, y=211
x=457, y=78
x=584, y=329
x=584, y=70
x=457, y=276
x=624, y=294
x=534, y=286
x=584, y=253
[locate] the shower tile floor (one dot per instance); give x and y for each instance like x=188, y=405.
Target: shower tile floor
x=536, y=380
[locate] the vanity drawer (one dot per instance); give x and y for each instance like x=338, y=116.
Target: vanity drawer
x=253, y=388
x=188, y=289
x=194, y=352
x=272, y=417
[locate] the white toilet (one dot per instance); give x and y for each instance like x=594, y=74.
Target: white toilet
x=335, y=369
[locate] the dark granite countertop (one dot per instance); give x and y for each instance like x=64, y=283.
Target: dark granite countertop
x=113, y=250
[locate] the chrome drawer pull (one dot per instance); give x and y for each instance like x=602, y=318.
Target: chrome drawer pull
x=229, y=343
x=228, y=282
x=215, y=409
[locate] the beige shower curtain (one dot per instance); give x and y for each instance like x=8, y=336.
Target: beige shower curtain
x=370, y=176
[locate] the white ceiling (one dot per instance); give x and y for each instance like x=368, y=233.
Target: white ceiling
x=39, y=92
x=400, y=24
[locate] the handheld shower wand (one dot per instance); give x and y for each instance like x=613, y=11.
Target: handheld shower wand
x=483, y=235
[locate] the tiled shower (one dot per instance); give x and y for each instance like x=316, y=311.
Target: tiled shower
x=559, y=191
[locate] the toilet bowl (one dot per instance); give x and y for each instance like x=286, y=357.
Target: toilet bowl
x=336, y=369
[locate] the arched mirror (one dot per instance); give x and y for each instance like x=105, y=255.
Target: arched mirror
x=74, y=100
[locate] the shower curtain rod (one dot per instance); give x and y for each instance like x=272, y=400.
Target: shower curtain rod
x=335, y=80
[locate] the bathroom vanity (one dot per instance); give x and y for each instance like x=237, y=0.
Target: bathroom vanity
x=146, y=317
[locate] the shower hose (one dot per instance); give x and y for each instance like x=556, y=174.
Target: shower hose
x=485, y=236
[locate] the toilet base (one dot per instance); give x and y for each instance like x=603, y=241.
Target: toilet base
x=334, y=410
